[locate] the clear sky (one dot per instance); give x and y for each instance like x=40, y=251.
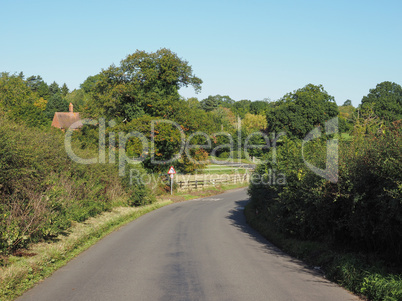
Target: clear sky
x=250, y=49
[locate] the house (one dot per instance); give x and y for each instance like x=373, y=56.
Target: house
x=65, y=120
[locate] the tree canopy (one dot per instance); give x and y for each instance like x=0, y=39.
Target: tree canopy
x=20, y=102
x=299, y=112
x=144, y=83
x=213, y=102
x=386, y=99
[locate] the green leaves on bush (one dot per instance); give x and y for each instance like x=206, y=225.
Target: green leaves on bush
x=362, y=211
x=42, y=191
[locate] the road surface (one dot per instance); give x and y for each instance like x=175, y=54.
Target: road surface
x=195, y=250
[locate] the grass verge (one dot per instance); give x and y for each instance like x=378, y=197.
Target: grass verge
x=21, y=272
x=361, y=274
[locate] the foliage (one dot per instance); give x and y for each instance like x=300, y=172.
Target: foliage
x=241, y=108
x=19, y=102
x=347, y=103
x=64, y=90
x=194, y=162
x=56, y=103
x=366, y=121
x=42, y=191
x=299, y=112
x=160, y=143
x=254, y=122
x=224, y=119
x=346, y=118
x=260, y=107
x=78, y=98
x=54, y=88
x=213, y=102
x=386, y=99
x=37, y=85
x=192, y=118
x=363, y=210
x=378, y=287
x=144, y=83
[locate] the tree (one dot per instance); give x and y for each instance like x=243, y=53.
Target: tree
x=346, y=113
x=254, y=122
x=347, y=102
x=19, y=102
x=223, y=119
x=299, y=112
x=144, y=83
x=212, y=102
x=387, y=101
x=56, y=103
x=242, y=107
x=54, y=88
x=191, y=117
x=260, y=107
x=89, y=84
x=77, y=98
x=64, y=90
x=36, y=84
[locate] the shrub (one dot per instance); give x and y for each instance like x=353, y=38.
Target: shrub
x=42, y=191
x=362, y=211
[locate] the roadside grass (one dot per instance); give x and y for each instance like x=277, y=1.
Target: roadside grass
x=19, y=273
x=361, y=274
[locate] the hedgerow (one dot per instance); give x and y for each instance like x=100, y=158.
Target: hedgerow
x=42, y=191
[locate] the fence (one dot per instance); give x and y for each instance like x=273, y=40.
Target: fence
x=198, y=182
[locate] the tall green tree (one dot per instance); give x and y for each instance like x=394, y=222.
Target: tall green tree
x=78, y=98
x=386, y=99
x=64, y=90
x=54, y=88
x=347, y=102
x=56, y=103
x=144, y=83
x=36, y=84
x=19, y=102
x=212, y=102
x=299, y=112
x=242, y=107
x=260, y=107
x=89, y=84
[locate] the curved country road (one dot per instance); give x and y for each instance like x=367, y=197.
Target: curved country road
x=195, y=250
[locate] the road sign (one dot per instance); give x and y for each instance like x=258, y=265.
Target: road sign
x=171, y=171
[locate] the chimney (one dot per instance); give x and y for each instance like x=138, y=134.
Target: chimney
x=70, y=108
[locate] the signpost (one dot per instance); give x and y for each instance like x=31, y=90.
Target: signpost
x=171, y=172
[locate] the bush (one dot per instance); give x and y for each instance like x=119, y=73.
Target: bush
x=362, y=211
x=42, y=191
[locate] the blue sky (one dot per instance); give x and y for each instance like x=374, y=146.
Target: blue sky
x=245, y=49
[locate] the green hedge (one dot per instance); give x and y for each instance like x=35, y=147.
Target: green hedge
x=363, y=210
x=42, y=191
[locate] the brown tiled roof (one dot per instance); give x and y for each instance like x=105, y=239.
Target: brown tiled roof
x=64, y=120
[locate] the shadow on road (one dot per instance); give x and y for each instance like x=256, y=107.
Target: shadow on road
x=238, y=219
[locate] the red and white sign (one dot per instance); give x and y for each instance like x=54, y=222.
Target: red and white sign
x=171, y=171
x=171, y=176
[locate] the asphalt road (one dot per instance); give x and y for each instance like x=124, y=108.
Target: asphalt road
x=195, y=250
